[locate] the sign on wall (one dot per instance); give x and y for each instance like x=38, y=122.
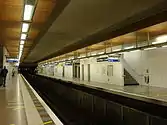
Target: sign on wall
x=11, y=60
x=69, y=63
x=113, y=60
x=106, y=59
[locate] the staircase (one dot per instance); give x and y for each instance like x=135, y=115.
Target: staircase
x=131, y=77
x=128, y=79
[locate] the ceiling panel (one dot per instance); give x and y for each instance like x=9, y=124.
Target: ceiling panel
x=41, y=16
x=43, y=10
x=155, y=30
x=11, y=21
x=33, y=33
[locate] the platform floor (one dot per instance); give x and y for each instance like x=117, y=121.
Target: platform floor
x=20, y=106
x=151, y=94
x=11, y=104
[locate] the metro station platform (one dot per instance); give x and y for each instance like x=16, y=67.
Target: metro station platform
x=21, y=105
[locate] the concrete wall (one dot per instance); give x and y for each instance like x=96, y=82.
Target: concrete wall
x=153, y=60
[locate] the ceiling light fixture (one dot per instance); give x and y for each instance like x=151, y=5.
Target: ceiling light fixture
x=83, y=56
x=20, y=56
x=164, y=46
x=93, y=54
x=28, y=11
x=116, y=50
x=21, y=47
x=101, y=53
x=157, y=42
x=25, y=27
x=150, y=48
x=21, y=50
x=162, y=38
x=137, y=50
x=129, y=47
x=22, y=42
x=23, y=36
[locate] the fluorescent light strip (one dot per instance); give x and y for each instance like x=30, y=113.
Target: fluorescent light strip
x=116, y=50
x=150, y=48
x=162, y=38
x=112, y=54
x=28, y=11
x=23, y=36
x=93, y=54
x=135, y=50
x=83, y=56
x=101, y=53
x=21, y=46
x=22, y=42
x=21, y=50
x=25, y=27
x=157, y=42
x=164, y=46
x=20, y=55
x=130, y=47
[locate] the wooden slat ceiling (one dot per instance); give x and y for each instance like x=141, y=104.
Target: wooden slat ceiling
x=10, y=18
x=140, y=35
x=11, y=21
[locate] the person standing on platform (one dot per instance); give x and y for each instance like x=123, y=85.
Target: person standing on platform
x=4, y=73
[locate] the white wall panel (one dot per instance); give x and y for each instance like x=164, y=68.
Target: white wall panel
x=68, y=71
x=154, y=60
x=98, y=71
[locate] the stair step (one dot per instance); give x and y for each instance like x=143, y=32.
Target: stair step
x=128, y=79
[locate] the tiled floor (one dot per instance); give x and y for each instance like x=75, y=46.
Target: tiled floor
x=145, y=93
x=17, y=109
x=11, y=104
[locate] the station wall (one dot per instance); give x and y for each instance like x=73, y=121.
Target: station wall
x=9, y=66
x=98, y=71
x=150, y=63
x=68, y=71
x=58, y=70
x=154, y=61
